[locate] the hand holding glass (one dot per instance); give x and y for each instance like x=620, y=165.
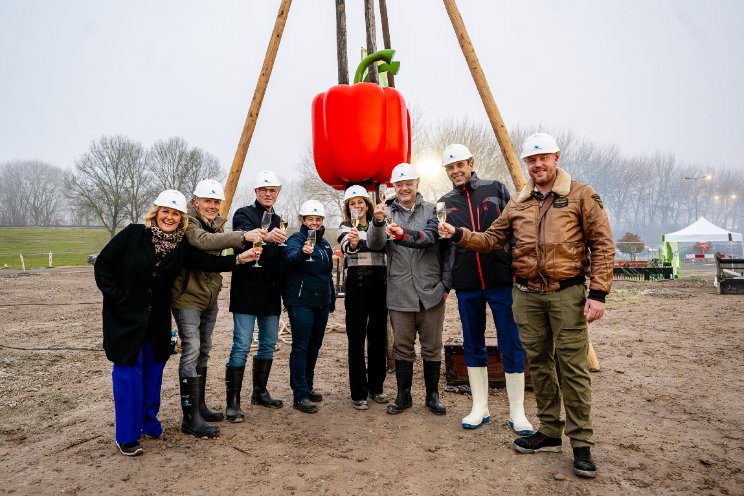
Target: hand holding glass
x=266, y=221
x=284, y=224
x=310, y=242
x=441, y=212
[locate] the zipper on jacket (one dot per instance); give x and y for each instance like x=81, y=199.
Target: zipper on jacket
x=302, y=281
x=475, y=229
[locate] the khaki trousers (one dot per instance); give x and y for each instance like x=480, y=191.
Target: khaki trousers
x=428, y=324
x=553, y=325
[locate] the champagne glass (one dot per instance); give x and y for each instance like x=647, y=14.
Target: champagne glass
x=266, y=221
x=311, y=241
x=258, y=248
x=389, y=220
x=283, y=225
x=441, y=212
x=354, y=217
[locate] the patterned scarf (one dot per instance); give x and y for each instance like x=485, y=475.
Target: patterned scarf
x=165, y=242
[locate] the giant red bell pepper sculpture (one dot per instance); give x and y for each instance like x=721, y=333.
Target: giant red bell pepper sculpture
x=360, y=131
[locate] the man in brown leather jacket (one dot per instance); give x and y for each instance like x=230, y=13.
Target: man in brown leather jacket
x=562, y=235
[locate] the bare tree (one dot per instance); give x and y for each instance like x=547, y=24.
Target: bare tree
x=31, y=193
x=176, y=166
x=102, y=180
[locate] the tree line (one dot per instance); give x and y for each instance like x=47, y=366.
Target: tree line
x=114, y=181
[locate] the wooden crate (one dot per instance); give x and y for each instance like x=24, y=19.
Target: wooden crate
x=456, y=372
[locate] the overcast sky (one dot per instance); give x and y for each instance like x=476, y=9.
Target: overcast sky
x=646, y=75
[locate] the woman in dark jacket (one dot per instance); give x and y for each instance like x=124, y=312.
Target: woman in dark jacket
x=364, y=300
x=309, y=297
x=135, y=273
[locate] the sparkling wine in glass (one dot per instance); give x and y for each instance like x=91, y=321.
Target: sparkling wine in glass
x=311, y=241
x=389, y=220
x=283, y=225
x=441, y=212
x=354, y=217
x=258, y=248
x=266, y=221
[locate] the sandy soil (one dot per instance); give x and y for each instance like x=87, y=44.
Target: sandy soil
x=668, y=411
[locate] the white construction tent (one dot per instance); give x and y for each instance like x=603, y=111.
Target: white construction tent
x=700, y=231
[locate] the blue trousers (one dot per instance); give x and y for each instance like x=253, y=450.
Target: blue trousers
x=243, y=325
x=137, y=396
x=472, y=307
x=308, y=328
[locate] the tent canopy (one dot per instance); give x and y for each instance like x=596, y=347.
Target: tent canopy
x=701, y=230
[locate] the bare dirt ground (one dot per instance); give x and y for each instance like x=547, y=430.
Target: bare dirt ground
x=668, y=411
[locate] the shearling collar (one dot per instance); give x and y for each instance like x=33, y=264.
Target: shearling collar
x=561, y=186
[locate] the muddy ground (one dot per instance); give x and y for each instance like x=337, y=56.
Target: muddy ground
x=668, y=411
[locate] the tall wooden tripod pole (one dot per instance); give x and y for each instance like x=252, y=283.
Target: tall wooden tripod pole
x=253, y=110
x=497, y=123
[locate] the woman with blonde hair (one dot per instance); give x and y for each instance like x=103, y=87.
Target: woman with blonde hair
x=135, y=272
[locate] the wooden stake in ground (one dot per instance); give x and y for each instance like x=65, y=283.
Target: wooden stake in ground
x=342, y=58
x=497, y=123
x=254, y=109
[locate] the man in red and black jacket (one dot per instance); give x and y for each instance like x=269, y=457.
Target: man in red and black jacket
x=480, y=278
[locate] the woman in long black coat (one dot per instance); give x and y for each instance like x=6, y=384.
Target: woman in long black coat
x=135, y=273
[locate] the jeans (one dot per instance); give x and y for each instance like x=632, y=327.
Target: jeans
x=472, y=307
x=268, y=332
x=308, y=328
x=195, y=328
x=137, y=396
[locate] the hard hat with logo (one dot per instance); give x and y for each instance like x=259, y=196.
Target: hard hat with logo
x=539, y=143
x=403, y=172
x=312, y=207
x=454, y=153
x=266, y=178
x=209, y=188
x=354, y=191
x=172, y=199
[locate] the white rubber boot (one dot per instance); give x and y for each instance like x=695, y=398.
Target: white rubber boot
x=515, y=391
x=479, y=415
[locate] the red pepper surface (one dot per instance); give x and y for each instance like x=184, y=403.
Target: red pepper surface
x=360, y=132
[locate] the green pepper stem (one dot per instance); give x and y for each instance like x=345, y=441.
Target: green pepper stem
x=386, y=55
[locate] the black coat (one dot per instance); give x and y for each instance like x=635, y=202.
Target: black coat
x=476, y=205
x=256, y=291
x=137, y=293
x=308, y=283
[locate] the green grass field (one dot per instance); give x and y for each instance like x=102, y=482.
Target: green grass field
x=69, y=246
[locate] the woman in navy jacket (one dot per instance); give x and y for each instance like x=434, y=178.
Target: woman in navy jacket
x=135, y=273
x=309, y=297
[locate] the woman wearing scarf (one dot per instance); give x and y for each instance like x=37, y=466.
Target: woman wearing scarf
x=366, y=310
x=135, y=273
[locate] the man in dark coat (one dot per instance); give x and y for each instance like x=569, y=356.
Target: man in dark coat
x=255, y=297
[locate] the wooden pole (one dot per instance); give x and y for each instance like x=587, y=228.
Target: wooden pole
x=369, y=22
x=497, y=123
x=386, y=36
x=253, y=110
x=341, y=55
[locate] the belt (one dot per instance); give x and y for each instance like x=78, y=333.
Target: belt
x=524, y=285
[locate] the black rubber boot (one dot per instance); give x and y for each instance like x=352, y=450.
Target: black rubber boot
x=404, y=379
x=431, y=379
x=583, y=464
x=207, y=413
x=260, y=396
x=233, y=385
x=193, y=423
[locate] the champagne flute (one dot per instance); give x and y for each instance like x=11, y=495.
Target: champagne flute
x=266, y=221
x=311, y=241
x=258, y=248
x=441, y=212
x=354, y=217
x=389, y=220
x=283, y=225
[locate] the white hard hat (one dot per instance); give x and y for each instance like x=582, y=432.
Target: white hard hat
x=354, y=191
x=312, y=207
x=172, y=199
x=209, y=188
x=266, y=178
x=455, y=153
x=539, y=143
x=403, y=172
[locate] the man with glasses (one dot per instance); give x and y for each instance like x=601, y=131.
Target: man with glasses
x=255, y=297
